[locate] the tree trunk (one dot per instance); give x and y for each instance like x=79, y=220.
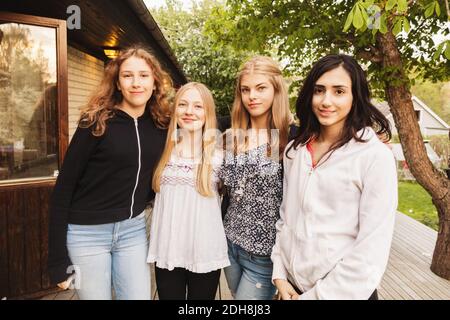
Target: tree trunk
x=434, y=182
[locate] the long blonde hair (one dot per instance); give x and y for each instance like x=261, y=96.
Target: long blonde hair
x=103, y=102
x=205, y=167
x=279, y=116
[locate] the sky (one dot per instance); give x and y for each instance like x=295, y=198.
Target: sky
x=159, y=3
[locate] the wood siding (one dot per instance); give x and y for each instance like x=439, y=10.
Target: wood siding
x=85, y=73
x=24, y=239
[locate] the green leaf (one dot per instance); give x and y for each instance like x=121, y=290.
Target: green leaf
x=364, y=28
x=406, y=24
x=366, y=4
x=447, y=51
x=438, y=9
x=349, y=20
x=429, y=9
x=364, y=16
x=402, y=6
x=397, y=27
x=357, y=18
x=383, y=24
x=390, y=4
x=438, y=51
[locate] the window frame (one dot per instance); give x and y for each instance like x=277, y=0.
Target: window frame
x=62, y=81
x=418, y=113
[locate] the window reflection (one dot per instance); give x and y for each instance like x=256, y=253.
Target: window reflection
x=28, y=102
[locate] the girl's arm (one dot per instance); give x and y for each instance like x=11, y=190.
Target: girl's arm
x=80, y=149
x=358, y=273
x=279, y=270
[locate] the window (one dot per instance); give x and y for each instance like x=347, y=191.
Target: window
x=417, y=114
x=29, y=99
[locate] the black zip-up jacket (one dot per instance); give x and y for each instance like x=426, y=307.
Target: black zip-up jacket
x=103, y=179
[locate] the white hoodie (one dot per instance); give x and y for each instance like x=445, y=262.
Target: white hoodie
x=337, y=220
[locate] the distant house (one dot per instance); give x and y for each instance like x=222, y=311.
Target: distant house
x=429, y=122
x=402, y=167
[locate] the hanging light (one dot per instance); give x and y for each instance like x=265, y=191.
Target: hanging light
x=111, y=52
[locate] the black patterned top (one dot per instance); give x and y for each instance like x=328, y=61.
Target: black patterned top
x=255, y=186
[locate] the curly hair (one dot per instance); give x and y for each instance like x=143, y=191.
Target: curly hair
x=102, y=104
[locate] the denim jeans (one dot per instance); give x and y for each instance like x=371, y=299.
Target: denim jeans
x=112, y=253
x=249, y=276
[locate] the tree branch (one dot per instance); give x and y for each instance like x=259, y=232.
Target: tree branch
x=448, y=9
x=417, y=29
x=373, y=55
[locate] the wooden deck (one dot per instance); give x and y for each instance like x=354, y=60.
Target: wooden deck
x=408, y=275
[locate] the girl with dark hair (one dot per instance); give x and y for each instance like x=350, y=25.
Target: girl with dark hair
x=97, y=221
x=339, y=190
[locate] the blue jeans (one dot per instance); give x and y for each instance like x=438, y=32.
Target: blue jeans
x=112, y=253
x=249, y=276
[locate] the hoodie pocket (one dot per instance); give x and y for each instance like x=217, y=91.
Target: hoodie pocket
x=310, y=261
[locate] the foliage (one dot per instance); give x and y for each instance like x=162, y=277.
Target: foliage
x=303, y=31
x=395, y=139
x=441, y=144
x=24, y=75
x=214, y=66
x=435, y=95
x=16, y=55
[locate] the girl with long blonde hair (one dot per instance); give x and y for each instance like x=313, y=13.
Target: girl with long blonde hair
x=97, y=220
x=187, y=240
x=252, y=175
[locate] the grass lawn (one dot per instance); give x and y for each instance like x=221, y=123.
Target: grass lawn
x=415, y=202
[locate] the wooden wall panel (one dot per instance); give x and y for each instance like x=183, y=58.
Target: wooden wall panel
x=24, y=204
x=4, y=270
x=32, y=209
x=44, y=196
x=16, y=242
x=24, y=240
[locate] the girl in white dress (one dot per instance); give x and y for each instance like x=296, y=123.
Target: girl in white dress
x=187, y=239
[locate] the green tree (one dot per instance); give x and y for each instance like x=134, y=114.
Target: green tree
x=391, y=38
x=216, y=67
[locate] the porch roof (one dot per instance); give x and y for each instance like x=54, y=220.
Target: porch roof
x=106, y=23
